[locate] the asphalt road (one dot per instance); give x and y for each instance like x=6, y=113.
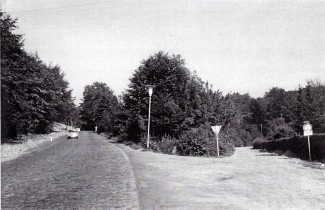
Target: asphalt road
x=84, y=173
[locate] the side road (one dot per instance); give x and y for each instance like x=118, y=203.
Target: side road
x=247, y=180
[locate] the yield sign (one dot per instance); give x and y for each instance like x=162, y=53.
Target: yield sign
x=216, y=129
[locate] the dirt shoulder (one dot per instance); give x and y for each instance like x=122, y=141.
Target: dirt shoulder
x=247, y=180
x=12, y=151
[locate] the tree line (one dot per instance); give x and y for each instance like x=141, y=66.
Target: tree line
x=284, y=112
x=181, y=103
x=184, y=108
x=33, y=94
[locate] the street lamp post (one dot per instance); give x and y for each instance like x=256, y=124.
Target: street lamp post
x=150, y=90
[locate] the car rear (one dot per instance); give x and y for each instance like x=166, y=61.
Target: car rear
x=72, y=134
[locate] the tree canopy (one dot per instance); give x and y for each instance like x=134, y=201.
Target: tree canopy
x=98, y=107
x=289, y=109
x=181, y=100
x=33, y=94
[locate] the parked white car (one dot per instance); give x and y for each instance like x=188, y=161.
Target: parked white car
x=72, y=134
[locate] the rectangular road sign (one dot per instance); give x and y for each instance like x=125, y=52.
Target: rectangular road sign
x=308, y=133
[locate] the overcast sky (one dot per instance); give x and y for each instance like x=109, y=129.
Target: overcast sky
x=238, y=46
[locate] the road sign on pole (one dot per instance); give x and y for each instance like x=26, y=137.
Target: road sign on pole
x=308, y=131
x=216, y=130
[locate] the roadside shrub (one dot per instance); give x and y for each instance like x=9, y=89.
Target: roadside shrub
x=268, y=145
x=191, y=147
x=226, y=144
x=165, y=145
x=202, y=142
x=280, y=143
x=123, y=137
x=195, y=142
x=318, y=148
x=257, y=143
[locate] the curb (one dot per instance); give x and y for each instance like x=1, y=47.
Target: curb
x=134, y=194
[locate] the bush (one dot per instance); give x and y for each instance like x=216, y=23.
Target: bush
x=202, y=142
x=278, y=128
x=226, y=144
x=196, y=142
x=257, y=143
x=166, y=145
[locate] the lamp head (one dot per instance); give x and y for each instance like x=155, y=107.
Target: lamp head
x=150, y=89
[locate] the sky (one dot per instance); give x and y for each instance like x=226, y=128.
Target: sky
x=237, y=46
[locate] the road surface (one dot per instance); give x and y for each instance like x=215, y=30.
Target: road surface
x=84, y=173
x=92, y=173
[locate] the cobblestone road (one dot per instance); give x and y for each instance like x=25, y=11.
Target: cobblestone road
x=85, y=173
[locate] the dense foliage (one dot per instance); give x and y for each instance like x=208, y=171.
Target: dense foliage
x=33, y=94
x=283, y=113
x=181, y=102
x=99, y=108
x=183, y=108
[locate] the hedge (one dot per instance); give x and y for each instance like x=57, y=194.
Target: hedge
x=298, y=145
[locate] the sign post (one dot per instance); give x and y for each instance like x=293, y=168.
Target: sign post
x=51, y=136
x=216, y=130
x=308, y=131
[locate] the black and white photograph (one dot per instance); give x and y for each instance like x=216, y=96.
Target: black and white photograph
x=163, y=104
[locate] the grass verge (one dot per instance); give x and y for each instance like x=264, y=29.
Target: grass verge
x=27, y=142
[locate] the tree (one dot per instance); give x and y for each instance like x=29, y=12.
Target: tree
x=245, y=131
x=181, y=100
x=11, y=52
x=278, y=128
x=293, y=107
x=275, y=99
x=258, y=110
x=98, y=107
x=32, y=92
x=311, y=105
x=169, y=101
